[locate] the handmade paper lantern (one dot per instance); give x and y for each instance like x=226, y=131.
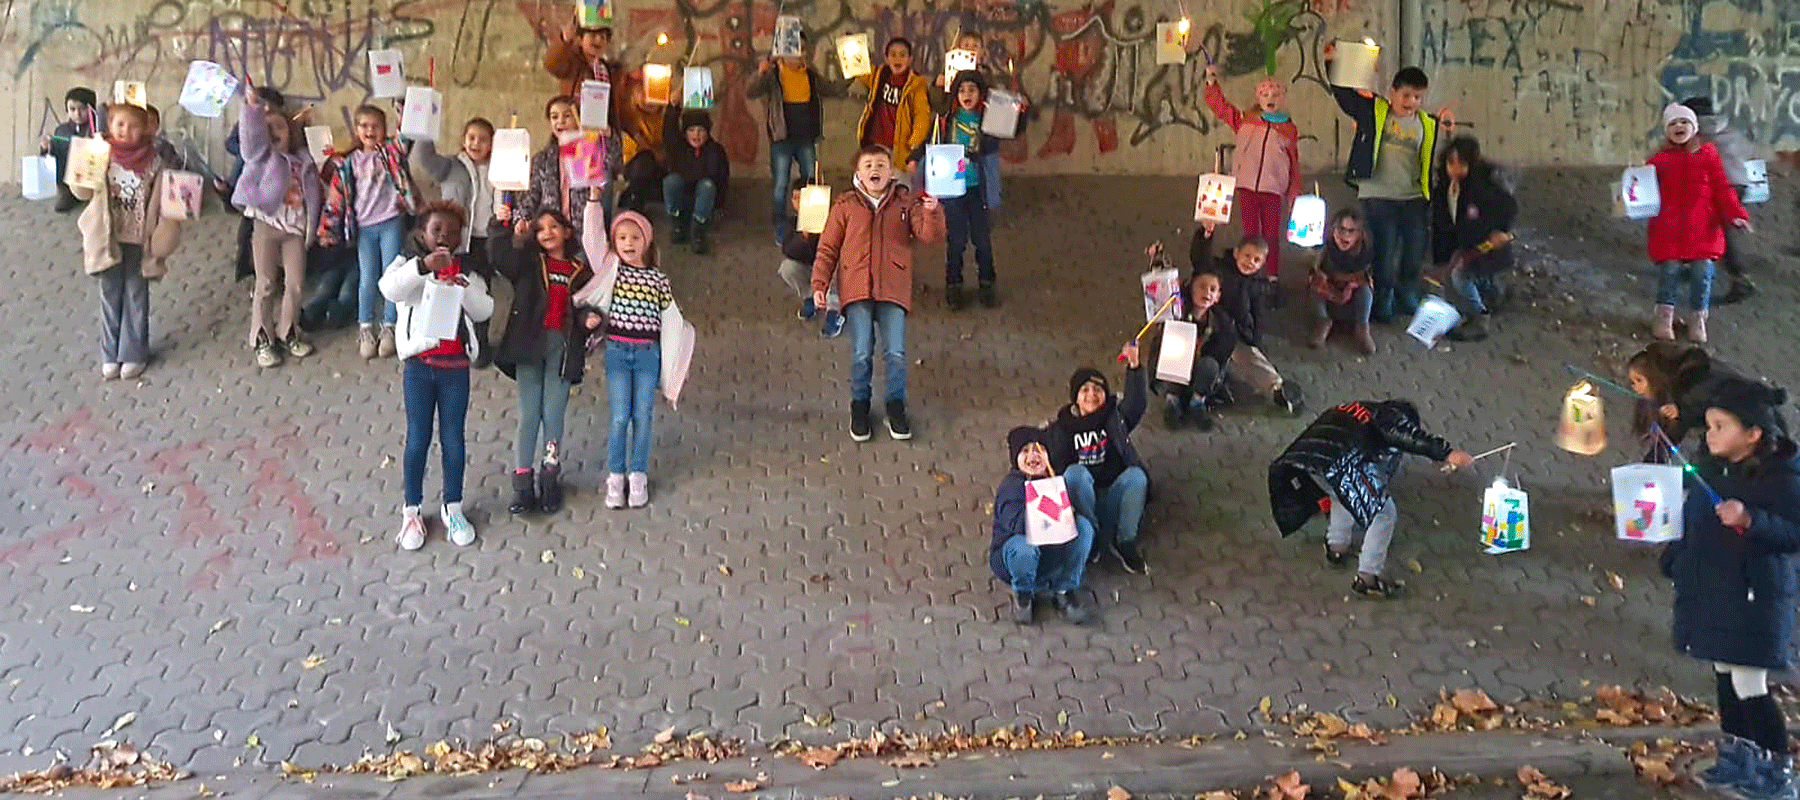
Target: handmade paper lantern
x=387, y=75
x=1505, y=519
x=1306, y=226
x=1049, y=514
x=956, y=61
x=130, y=93
x=509, y=168
x=1757, y=190
x=1175, y=363
x=89, y=157
x=37, y=177
x=853, y=54
x=423, y=115
x=1212, y=203
x=584, y=159
x=319, y=144
x=1642, y=196
x=1171, y=42
x=697, y=88
x=1583, y=428
x=1434, y=318
x=946, y=170
x=441, y=310
x=181, y=194
x=593, y=14
x=656, y=83
x=1159, y=286
x=595, y=105
x=1001, y=118
x=1647, y=502
x=1353, y=64
x=207, y=89
x=815, y=205
x=790, y=37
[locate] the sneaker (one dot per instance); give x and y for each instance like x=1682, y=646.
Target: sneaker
x=457, y=527
x=1202, y=417
x=130, y=369
x=861, y=427
x=385, y=345
x=266, y=354
x=953, y=297
x=1075, y=610
x=615, y=491
x=1287, y=398
x=899, y=427
x=1732, y=766
x=1767, y=776
x=1173, y=413
x=1374, y=587
x=834, y=325
x=367, y=342
x=1127, y=553
x=985, y=293
x=1336, y=558
x=1473, y=330
x=807, y=309
x=297, y=346
x=1023, y=607
x=412, y=530
x=638, y=485
x=109, y=370
x=1741, y=290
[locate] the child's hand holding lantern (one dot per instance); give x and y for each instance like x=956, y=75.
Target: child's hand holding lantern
x=1130, y=354
x=1733, y=515
x=592, y=320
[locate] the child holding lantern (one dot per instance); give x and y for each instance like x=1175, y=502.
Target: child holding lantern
x=797, y=254
x=1688, y=234
x=1027, y=567
x=791, y=91
x=898, y=113
x=80, y=114
x=1471, y=227
x=1244, y=297
x=1675, y=381
x=463, y=180
x=369, y=192
x=1266, y=162
x=967, y=216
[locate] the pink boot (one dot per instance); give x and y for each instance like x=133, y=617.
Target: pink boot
x=1696, y=325
x=1662, y=326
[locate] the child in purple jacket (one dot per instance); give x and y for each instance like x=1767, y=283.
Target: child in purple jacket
x=279, y=191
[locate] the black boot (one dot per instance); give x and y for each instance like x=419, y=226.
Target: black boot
x=65, y=199
x=678, y=223
x=1022, y=607
x=1074, y=608
x=701, y=246
x=898, y=425
x=861, y=425
x=484, y=354
x=550, y=493
x=524, y=500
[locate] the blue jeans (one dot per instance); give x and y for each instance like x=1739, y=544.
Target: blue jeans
x=445, y=392
x=1398, y=229
x=376, y=246
x=679, y=201
x=125, y=309
x=1354, y=311
x=990, y=180
x=633, y=372
x=543, y=400
x=861, y=319
x=1471, y=288
x=335, y=294
x=967, y=220
x=1697, y=275
x=1059, y=566
x=1115, y=509
x=783, y=155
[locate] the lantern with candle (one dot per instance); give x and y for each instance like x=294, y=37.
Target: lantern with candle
x=1647, y=501
x=1583, y=427
x=387, y=75
x=656, y=83
x=593, y=14
x=1212, y=203
x=1353, y=64
x=595, y=104
x=946, y=170
x=319, y=144
x=509, y=167
x=1171, y=42
x=956, y=61
x=1306, y=226
x=180, y=194
x=1175, y=362
x=790, y=38
x=1049, y=514
x=815, y=205
x=1505, y=519
x=37, y=177
x=89, y=156
x=207, y=89
x=853, y=54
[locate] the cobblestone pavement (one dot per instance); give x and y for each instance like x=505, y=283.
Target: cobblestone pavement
x=179, y=547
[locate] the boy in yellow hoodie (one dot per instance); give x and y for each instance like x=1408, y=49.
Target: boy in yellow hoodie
x=898, y=114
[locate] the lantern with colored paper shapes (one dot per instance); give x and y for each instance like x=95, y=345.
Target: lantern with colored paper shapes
x=423, y=115
x=1434, y=318
x=697, y=88
x=129, y=93
x=815, y=205
x=790, y=37
x=583, y=156
x=595, y=105
x=593, y=14
x=1159, y=286
x=207, y=89
x=1647, y=501
x=509, y=169
x=1505, y=519
x=89, y=157
x=1212, y=203
x=1001, y=118
x=387, y=75
x=180, y=194
x=1583, y=427
x=853, y=55
x=946, y=170
x=1642, y=196
x=1757, y=172
x=1175, y=363
x=1171, y=43
x=1049, y=514
x=656, y=83
x=1353, y=64
x=319, y=144
x=1306, y=226
x=956, y=61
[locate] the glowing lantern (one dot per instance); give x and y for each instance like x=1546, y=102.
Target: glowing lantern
x=583, y=159
x=509, y=168
x=1353, y=64
x=1647, y=502
x=815, y=205
x=1213, y=201
x=1434, y=318
x=1505, y=519
x=1757, y=190
x=956, y=61
x=1583, y=428
x=946, y=170
x=1642, y=196
x=207, y=89
x=129, y=93
x=1049, y=514
x=697, y=88
x=656, y=83
x=790, y=38
x=89, y=157
x=1175, y=363
x=595, y=104
x=1171, y=42
x=1002, y=116
x=423, y=115
x=37, y=177
x=387, y=76
x=1306, y=227
x=180, y=194
x=853, y=54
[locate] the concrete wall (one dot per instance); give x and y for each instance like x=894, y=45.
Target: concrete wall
x=1543, y=81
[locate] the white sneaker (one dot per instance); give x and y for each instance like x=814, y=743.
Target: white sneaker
x=640, y=490
x=412, y=530
x=131, y=370
x=457, y=526
x=109, y=371
x=615, y=491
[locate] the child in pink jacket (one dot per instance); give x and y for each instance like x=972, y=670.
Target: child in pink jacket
x=1266, y=162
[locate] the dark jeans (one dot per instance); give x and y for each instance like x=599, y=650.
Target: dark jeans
x=445, y=392
x=642, y=177
x=1205, y=378
x=246, y=262
x=334, y=298
x=1399, y=229
x=680, y=199
x=125, y=309
x=967, y=220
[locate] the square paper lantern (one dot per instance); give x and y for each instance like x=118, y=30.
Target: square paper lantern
x=1505, y=519
x=956, y=61
x=1306, y=226
x=1002, y=115
x=207, y=89
x=593, y=14
x=1583, y=428
x=697, y=88
x=1049, y=514
x=319, y=144
x=1757, y=190
x=89, y=156
x=180, y=194
x=441, y=310
x=1212, y=203
x=509, y=168
x=853, y=55
x=1643, y=198
x=584, y=159
x=815, y=205
x=37, y=177
x=1159, y=286
x=423, y=115
x=1171, y=43
x=1353, y=64
x=946, y=170
x=789, y=37
x=387, y=75
x=1434, y=318
x=1175, y=362
x=1647, y=502
x=595, y=105
x=656, y=83
x=129, y=93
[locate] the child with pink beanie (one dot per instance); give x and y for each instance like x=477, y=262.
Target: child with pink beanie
x=1266, y=163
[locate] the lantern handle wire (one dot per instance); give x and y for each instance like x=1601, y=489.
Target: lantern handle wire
x=1608, y=383
x=1686, y=466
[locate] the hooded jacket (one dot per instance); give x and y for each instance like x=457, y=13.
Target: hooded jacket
x=942, y=125
x=404, y=284
x=676, y=344
x=525, y=267
x=1267, y=158
x=1355, y=449
x=913, y=119
x=1697, y=203
x=1693, y=376
x=707, y=162
x=1100, y=441
x=1243, y=298
x=767, y=87
x=564, y=61
x=1483, y=206
x=868, y=247
x=1009, y=500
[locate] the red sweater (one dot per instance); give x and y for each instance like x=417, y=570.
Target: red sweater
x=1697, y=203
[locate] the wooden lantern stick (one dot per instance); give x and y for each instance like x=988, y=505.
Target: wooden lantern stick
x=1153, y=319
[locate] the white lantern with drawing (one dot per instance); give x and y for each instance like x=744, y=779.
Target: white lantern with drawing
x=815, y=205
x=1505, y=519
x=790, y=37
x=1434, y=318
x=207, y=89
x=656, y=83
x=1757, y=189
x=130, y=93
x=593, y=14
x=1212, y=203
x=1001, y=118
x=1306, y=226
x=1639, y=190
x=37, y=177
x=387, y=74
x=1171, y=42
x=697, y=88
x=319, y=144
x=1353, y=64
x=1161, y=286
x=1583, y=427
x=180, y=194
x=440, y=310
x=1049, y=514
x=1180, y=341
x=595, y=104
x=946, y=170
x=1647, y=501
x=509, y=168
x=423, y=116
x=89, y=156
x=956, y=61
x=853, y=55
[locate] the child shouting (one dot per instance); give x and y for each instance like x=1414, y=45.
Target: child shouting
x=898, y=114
x=1217, y=338
x=1027, y=567
x=279, y=189
x=463, y=180
x=967, y=216
x=1244, y=296
x=1340, y=280
x=1688, y=234
x=1266, y=162
x=369, y=191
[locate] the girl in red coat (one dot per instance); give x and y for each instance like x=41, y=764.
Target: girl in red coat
x=1689, y=232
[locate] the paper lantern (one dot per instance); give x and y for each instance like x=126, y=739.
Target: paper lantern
x=509, y=168
x=319, y=144
x=1175, y=362
x=1171, y=43
x=1642, y=196
x=1002, y=115
x=1353, y=64
x=956, y=61
x=129, y=93
x=1160, y=285
x=815, y=206
x=89, y=156
x=946, y=170
x=1647, y=502
x=583, y=159
x=853, y=55
x=207, y=90
x=656, y=83
x=595, y=105
x=1757, y=190
x=441, y=310
x=181, y=194
x=1212, y=203
x=1583, y=428
x=1049, y=514
x=1306, y=226
x=1505, y=519
x=1434, y=318
x=697, y=88
x=37, y=177
x=593, y=14
x=790, y=37
x=423, y=115
x=387, y=75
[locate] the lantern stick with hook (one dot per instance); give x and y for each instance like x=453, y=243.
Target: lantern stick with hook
x=1602, y=381
x=1153, y=321
x=1685, y=465
x=1501, y=448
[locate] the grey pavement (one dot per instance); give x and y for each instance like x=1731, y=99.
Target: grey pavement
x=178, y=547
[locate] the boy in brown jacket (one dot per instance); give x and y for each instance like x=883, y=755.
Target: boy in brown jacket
x=867, y=248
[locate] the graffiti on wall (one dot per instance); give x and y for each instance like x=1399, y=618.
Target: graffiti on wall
x=1753, y=77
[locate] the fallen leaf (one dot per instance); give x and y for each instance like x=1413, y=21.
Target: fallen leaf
x=725, y=570
x=1351, y=791
x=1117, y=793
x=82, y=609
x=119, y=724
x=745, y=785
x=1289, y=787
x=1617, y=582
x=387, y=461
x=392, y=735
x=253, y=741
x=547, y=557
x=313, y=661
x=1404, y=784
x=1589, y=599
x=914, y=760
x=1656, y=770
x=683, y=621
x=218, y=735
x=1472, y=701
x=666, y=736
x=1062, y=717
x=1263, y=706
x=579, y=573
x=819, y=757
x=1414, y=565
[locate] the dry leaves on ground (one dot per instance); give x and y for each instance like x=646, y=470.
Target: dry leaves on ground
x=109, y=766
x=1403, y=784
x=1288, y=787
x=748, y=784
x=1662, y=762
x=912, y=761
x=1539, y=786
x=1117, y=793
x=503, y=752
x=1616, y=706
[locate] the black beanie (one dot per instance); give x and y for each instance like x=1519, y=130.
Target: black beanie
x=83, y=95
x=1756, y=405
x=1019, y=437
x=696, y=118
x=1083, y=376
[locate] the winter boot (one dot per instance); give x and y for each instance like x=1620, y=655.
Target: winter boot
x=1732, y=766
x=701, y=245
x=1768, y=776
x=1321, y=332
x=1365, y=340
x=678, y=224
x=524, y=499
x=1696, y=325
x=550, y=490
x=1022, y=607
x=1741, y=289
x=1074, y=608
x=1662, y=325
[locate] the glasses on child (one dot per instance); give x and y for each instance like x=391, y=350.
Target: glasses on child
x=1347, y=229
